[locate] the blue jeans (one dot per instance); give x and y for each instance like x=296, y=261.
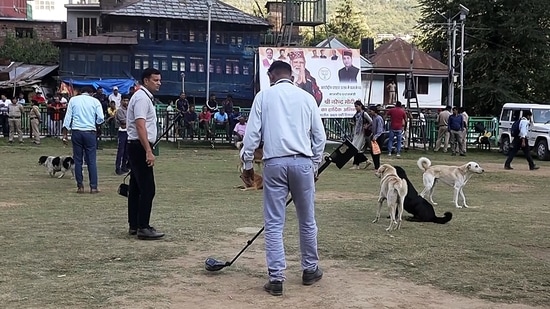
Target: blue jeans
x=84, y=147
x=399, y=134
x=281, y=175
x=121, y=163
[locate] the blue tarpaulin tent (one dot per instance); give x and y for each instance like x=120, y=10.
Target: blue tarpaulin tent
x=107, y=84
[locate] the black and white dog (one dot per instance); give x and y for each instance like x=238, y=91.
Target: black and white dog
x=57, y=164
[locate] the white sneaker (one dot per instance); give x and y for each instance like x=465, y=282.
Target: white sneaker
x=389, y=154
x=398, y=155
x=355, y=167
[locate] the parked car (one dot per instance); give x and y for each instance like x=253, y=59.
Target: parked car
x=538, y=136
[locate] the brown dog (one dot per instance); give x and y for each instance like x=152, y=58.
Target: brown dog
x=393, y=190
x=258, y=155
x=257, y=185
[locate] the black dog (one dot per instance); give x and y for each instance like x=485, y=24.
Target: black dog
x=420, y=208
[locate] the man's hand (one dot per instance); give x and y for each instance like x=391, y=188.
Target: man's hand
x=65, y=140
x=523, y=143
x=150, y=158
x=248, y=177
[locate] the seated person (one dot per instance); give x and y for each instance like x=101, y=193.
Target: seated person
x=204, y=121
x=234, y=118
x=221, y=121
x=189, y=120
x=238, y=132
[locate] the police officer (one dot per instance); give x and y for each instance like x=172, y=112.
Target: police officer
x=15, y=110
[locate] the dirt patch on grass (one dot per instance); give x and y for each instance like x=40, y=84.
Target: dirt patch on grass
x=507, y=187
x=10, y=204
x=324, y=196
x=240, y=286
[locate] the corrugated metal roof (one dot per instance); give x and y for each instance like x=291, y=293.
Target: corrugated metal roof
x=395, y=56
x=333, y=42
x=187, y=9
x=114, y=38
x=24, y=74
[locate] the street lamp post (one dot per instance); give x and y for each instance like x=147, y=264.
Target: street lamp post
x=463, y=13
x=209, y=3
x=182, y=82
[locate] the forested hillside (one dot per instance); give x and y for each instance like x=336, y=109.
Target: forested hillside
x=382, y=16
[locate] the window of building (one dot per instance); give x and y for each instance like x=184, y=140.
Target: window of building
x=142, y=34
x=91, y=57
x=246, y=69
x=141, y=61
x=115, y=58
x=233, y=40
x=178, y=60
x=81, y=57
x=196, y=64
x=201, y=67
x=168, y=30
x=155, y=64
x=23, y=32
x=218, y=38
x=232, y=66
x=191, y=36
x=137, y=64
x=48, y=5
x=218, y=68
x=239, y=41
x=106, y=58
x=152, y=30
x=72, y=57
x=164, y=65
x=192, y=66
x=201, y=36
x=422, y=85
x=174, y=65
x=86, y=26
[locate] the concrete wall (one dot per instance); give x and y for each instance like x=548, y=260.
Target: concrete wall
x=72, y=17
x=435, y=88
x=59, y=12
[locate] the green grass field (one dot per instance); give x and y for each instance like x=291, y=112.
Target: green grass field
x=63, y=250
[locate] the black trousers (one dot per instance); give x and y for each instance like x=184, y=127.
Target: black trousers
x=516, y=146
x=376, y=158
x=141, y=189
x=5, y=125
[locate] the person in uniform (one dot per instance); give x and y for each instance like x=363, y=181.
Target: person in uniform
x=288, y=121
x=348, y=74
x=443, y=132
x=34, y=117
x=15, y=111
x=141, y=126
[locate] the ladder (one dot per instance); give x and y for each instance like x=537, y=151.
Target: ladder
x=412, y=102
x=285, y=35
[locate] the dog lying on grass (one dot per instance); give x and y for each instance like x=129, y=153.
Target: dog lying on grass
x=393, y=190
x=419, y=207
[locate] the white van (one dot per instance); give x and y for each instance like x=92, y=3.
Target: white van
x=539, y=131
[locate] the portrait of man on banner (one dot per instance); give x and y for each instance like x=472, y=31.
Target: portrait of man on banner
x=348, y=74
x=302, y=77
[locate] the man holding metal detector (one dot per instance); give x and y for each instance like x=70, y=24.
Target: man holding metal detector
x=141, y=126
x=287, y=120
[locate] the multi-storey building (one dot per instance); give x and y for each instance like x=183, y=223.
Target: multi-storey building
x=118, y=39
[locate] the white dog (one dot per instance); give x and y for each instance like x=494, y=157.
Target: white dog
x=454, y=176
x=394, y=190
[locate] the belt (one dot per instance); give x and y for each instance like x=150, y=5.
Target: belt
x=136, y=142
x=85, y=131
x=10, y=117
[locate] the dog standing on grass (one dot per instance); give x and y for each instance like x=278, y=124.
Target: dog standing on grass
x=454, y=176
x=393, y=190
x=57, y=164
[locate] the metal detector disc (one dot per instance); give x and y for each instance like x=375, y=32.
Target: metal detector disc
x=343, y=153
x=212, y=264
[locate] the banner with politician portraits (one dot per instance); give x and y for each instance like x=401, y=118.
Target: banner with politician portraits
x=331, y=76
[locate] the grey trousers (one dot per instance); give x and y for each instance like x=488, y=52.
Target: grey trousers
x=281, y=175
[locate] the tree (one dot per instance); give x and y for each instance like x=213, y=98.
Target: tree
x=348, y=24
x=29, y=50
x=509, y=49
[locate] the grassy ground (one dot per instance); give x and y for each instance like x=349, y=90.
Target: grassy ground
x=60, y=249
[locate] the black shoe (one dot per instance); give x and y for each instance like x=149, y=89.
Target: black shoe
x=119, y=172
x=132, y=231
x=310, y=277
x=534, y=168
x=508, y=167
x=274, y=288
x=125, y=171
x=462, y=154
x=149, y=234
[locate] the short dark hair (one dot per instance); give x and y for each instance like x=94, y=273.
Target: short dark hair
x=527, y=113
x=148, y=72
x=448, y=107
x=87, y=89
x=280, y=67
x=398, y=104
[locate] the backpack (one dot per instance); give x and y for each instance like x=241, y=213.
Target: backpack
x=514, y=131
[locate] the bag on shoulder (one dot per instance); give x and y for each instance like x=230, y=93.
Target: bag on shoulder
x=514, y=131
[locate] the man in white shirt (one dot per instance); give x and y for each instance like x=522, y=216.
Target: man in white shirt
x=520, y=142
x=141, y=125
x=115, y=96
x=287, y=120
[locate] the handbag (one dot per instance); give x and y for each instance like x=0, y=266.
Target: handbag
x=375, y=148
x=123, y=188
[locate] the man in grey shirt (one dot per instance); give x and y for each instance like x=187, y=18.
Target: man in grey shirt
x=287, y=119
x=141, y=126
